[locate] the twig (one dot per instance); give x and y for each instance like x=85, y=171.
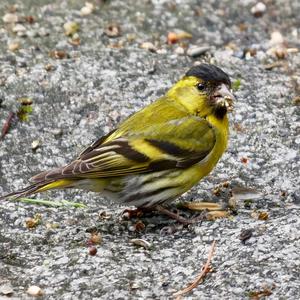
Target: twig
x=7, y=125
x=205, y=270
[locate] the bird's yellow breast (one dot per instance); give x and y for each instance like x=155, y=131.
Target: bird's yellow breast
x=220, y=127
x=205, y=166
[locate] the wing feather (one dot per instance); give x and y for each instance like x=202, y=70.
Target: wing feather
x=178, y=143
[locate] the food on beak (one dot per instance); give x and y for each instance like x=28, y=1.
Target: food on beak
x=223, y=97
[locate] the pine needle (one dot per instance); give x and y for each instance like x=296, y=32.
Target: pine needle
x=205, y=270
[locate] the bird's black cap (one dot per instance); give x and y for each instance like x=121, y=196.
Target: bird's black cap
x=210, y=73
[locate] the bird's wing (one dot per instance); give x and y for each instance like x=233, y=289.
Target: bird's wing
x=178, y=143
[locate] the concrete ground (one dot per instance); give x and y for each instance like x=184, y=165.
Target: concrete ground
x=83, y=85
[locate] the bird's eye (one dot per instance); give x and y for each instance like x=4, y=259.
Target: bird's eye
x=200, y=86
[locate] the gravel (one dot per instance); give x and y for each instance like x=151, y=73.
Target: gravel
x=82, y=91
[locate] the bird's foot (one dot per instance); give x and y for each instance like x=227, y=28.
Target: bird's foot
x=179, y=218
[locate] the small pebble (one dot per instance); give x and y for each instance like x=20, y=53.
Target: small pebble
x=32, y=33
x=134, y=286
x=246, y=234
x=148, y=46
x=75, y=40
x=13, y=46
x=87, y=9
x=58, y=132
x=13, y=8
x=258, y=9
x=19, y=29
x=197, y=51
x=35, y=291
x=71, y=28
x=43, y=32
x=276, y=38
x=6, y=289
x=35, y=145
x=92, y=251
x=161, y=51
x=10, y=18
x=49, y=67
x=104, y=215
x=179, y=51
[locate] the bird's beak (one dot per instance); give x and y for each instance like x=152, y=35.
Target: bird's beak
x=223, y=97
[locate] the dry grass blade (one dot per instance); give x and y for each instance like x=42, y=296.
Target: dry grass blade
x=199, y=206
x=205, y=270
x=7, y=125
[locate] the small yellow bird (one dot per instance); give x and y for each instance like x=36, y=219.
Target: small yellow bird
x=159, y=152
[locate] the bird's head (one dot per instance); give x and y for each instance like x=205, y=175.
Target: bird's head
x=204, y=90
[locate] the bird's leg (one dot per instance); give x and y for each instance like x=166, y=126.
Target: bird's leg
x=209, y=211
x=179, y=218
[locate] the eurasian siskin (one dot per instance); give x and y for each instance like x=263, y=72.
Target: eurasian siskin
x=159, y=152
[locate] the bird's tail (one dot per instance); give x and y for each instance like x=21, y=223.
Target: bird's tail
x=39, y=187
